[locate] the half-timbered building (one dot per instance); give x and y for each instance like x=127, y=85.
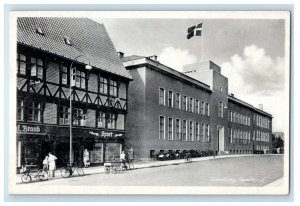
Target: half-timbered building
x=46, y=48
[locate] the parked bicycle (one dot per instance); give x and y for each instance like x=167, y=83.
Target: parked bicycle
x=117, y=166
x=188, y=158
x=32, y=172
x=68, y=171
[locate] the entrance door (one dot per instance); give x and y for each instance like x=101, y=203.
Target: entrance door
x=221, y=141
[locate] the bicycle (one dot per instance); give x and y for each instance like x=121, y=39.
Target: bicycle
x=188, y=158
x=116, y=167
x=67, y=170
x=27, y=176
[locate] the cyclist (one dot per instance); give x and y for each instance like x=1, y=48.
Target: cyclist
x=123, y=158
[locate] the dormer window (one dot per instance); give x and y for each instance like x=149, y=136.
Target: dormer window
x=67, y=40
x=39, y=30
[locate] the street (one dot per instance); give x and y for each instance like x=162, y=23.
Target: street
x=236, y=171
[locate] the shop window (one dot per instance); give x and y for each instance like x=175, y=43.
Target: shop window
x=34, y=112
x=111, y=121
x=20, y=108
x=113, y=88
x=21, y=63
x=64, y=115
x=103, y=85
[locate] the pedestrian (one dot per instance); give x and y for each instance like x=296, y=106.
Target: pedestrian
x=130, y=154
x=52, y=165
x=46, y=163
x=86, y=158
x=123, y=158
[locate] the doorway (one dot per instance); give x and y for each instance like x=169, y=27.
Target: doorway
x=221, y=135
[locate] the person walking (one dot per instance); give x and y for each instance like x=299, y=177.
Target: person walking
x=46, y=163
x=52, y=164
x=130, y=154
x=86, y=158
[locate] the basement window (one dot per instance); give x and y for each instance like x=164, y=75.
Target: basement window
x=67, y=40
x=39, y=30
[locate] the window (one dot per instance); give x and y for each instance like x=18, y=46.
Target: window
x=207, y=133
x=161, y=96
x=197, y=131
x=231, y=136
x=101, y=119
x=221, y=89
x=170, y=129
x=20, y=112
x=34, y=112
x=207, y=109
x=80, y=79
x=64, y=115
x=191, y=131
x=191, y=105
x=170, y=99
x=177, y=101
x=161, y=127
x=184, y=103
x=220, y=109
x=203, y=132
x=79, y=117
x=177, y=130
x=21, y=63
x=111, y=121
x=184, y=130
x=36, y=67
x=113, y=88
x=202, y=108
x=67, y=40
x=103, y=85
x=64, y=75
x=197, y=106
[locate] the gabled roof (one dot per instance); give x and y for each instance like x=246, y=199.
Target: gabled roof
x=86, y=36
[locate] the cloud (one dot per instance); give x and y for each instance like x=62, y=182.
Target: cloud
x=255, y=71
x=176, y=58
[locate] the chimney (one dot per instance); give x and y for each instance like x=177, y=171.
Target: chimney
x=154, y=57
x=261, y=106
x=120, y=54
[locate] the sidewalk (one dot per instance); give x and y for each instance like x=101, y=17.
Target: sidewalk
x=140, y=164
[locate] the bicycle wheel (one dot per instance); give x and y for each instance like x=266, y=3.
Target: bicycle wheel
x=26, y=178
x=115, y=169
x=131, y=165
x=107, y=170
x=42, y=175
x=65, y=172
x=80, y=171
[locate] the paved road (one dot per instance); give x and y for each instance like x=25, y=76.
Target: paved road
x=237, y=171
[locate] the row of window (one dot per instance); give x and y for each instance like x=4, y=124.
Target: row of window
x=239, y=118
x=183, y=130
x=261, y=121
x=35, y=67
x=34, y=112
x=261, y=136
x=240, y=136
x=261, y=147
x=178, y=101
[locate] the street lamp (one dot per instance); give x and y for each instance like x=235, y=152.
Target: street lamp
x=87, y=67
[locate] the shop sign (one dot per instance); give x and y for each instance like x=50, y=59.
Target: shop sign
x=30, y=129
x=108, y=134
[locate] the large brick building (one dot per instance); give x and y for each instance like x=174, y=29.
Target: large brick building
x=170, y=110
x=46, y=47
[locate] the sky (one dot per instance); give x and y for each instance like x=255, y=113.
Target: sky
x=251, y=53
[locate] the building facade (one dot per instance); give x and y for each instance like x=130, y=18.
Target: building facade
x=170, y=110
x=46, y=49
